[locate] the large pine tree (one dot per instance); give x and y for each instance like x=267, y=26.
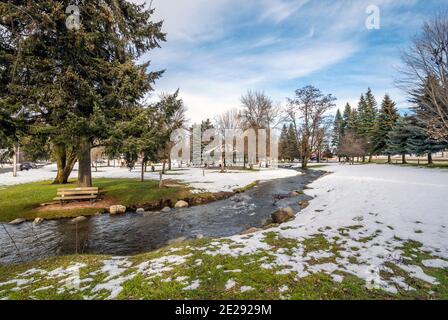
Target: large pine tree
x=283, y=143
x=293, y=145
x=74, y=84
x=367, y=113
x=398, y=138
x=420, y=141
x=337, y=130
x=346, y=117
x=387, y=118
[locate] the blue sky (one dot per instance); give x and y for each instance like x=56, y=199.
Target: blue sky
x=219, y=49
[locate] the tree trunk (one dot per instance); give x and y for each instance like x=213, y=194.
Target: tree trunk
x=403, y=159
x=389, y=159
x=14, y=162
x=84, y=162
x=223, y=162
x=430, y=161
x=304, y=162
x=169, y=162
x=142, y=177
x=163, y=167
x=65, y=161
x=305, y=152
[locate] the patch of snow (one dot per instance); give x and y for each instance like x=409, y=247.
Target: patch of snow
x=230, y=284
x=246, y=288
x=436, y=263
x=283, y=289
x=232, y=271
x=193, y=286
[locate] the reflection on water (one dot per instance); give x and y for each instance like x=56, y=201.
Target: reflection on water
x=135, y=233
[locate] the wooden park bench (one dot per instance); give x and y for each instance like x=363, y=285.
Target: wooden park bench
x=77, y=194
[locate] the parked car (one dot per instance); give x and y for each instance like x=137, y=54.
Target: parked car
x=27, y=166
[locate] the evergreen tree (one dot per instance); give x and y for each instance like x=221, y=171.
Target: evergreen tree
x=337, y=130
x=367, y=118
x=205, y=125
x=76, y=84
x=420, y=142
x=293, y=146
x=353, y=122
x=346, y=117
x=399, y=137
x=7, y=130
x=283, y=143
x=387, y=118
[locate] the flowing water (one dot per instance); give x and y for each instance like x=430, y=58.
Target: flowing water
x=134, y=233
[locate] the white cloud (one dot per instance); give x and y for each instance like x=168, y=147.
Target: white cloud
x=279, y=10
x=212, y=65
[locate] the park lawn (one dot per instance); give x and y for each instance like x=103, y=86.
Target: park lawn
x=190, y=272
x=20, y=201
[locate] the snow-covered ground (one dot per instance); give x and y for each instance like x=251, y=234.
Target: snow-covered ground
x=369, y=211
x=202, y=180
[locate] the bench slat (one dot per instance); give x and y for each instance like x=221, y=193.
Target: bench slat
x=75, y=198
x=77, y=192
x=78, y=189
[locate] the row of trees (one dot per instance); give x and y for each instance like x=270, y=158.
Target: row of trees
x=367, y=131
x=64, y=91
x=306, y=124
x=357, y=134
x=363, y=131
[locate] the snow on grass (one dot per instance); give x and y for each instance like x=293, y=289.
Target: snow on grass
x=212, y=181
x=366, y=214
x=246, y=288
x=193, y=286
x=230, y=284
x=362, y=222
x=436, y=263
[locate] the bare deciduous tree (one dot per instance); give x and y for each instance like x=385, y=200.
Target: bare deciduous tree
x=229, y=120
x=259, y=111
x=307, y=112
x=426, y=67
x=351, y=146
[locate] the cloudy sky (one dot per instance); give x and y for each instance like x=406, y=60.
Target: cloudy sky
x=219, y=49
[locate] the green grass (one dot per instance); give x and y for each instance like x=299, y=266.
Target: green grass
x=267, y=284
x=20, y=201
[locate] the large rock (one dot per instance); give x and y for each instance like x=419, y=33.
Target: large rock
x=117, y=209
x=17, y=221
x=250, y=230
x=38, y=220
x=166, y=209
x=181, y=204
x=283, y=215
x=140, y=210
x=79, y=219
x=304, y=204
